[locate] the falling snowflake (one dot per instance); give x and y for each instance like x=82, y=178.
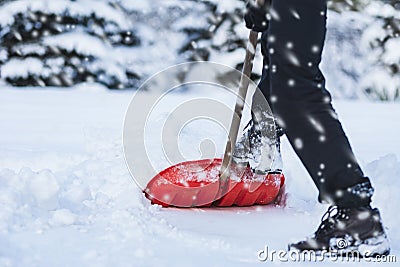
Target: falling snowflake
x=317, y=125
x=271, y=38
x=315, y=49
x=293, y=58
x=271, y=51
x=298, y=143
x=295, y=13
x=339, y=193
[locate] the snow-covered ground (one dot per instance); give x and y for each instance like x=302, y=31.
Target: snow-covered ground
x=67, y=198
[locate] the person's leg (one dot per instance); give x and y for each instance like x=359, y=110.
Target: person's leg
x=262, y=157
x=302, y=105
x=264, y=84
x=295, y=88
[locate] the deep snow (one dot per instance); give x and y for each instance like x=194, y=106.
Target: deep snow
x=67, y=199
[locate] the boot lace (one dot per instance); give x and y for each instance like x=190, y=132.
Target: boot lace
x=328, y=220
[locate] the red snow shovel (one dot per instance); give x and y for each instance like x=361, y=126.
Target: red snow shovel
x=218, y=182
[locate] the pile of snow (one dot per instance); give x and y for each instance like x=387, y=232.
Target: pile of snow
x=67, y=199
x=22, y=67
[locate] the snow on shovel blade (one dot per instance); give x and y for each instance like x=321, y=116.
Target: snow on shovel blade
x=196, y=184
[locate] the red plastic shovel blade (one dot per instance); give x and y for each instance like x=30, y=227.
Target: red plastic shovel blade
x=196, y=184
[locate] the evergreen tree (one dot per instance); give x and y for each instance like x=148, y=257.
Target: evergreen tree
x=62, y=43
x=223, y=37
x=382, y=82
x=119, y=43
x=347, y=5
x=380, y=41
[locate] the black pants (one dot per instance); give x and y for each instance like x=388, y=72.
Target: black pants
x=295, y=88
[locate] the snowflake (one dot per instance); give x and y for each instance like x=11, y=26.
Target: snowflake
x=271, y=51
x=271, y=38
x=339, y=193
x=274, y=98
x=298, y=143
x=315, y=49
x=295, y=13
x=293, y=58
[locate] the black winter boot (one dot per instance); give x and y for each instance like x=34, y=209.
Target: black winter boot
x=259, y=148
x=350, y=231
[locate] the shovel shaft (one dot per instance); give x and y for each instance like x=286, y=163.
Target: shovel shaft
x=240, y=101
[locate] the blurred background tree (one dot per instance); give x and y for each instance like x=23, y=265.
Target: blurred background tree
x=382, y=81
x=381, y=44
x=119, y=43
x=62, y=43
